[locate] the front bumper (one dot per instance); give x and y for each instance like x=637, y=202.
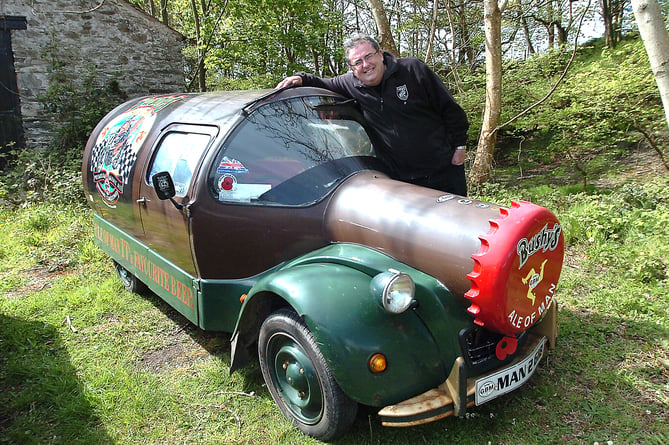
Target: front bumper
x=458, y=392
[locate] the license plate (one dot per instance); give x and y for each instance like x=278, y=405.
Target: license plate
x=508, y=379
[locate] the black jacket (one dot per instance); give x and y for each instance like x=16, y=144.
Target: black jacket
x=416, y=122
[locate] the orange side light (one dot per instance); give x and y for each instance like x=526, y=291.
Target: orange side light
x=377, y=363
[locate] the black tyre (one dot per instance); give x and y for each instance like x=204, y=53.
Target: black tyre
x=299, y=378
x=130, y=281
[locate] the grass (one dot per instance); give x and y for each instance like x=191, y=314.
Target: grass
x=84, y=361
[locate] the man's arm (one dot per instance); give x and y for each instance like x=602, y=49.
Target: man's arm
x=336, y=84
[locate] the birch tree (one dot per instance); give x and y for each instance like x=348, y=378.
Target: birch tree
x=656, y=41
x=492, y=16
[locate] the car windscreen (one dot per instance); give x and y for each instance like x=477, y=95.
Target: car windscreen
x=292, y=152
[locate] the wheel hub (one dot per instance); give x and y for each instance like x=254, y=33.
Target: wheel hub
x=298, y=382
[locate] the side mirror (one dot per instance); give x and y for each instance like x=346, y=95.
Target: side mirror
x=164, y=186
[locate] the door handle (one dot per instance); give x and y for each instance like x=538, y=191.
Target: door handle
x=142, y=201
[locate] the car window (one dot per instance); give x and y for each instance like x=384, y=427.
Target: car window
x=286, y=152
x=178, y=153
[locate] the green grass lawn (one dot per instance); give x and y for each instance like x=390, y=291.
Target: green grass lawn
x=84, y=361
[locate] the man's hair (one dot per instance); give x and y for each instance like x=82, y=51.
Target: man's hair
x=358, y=39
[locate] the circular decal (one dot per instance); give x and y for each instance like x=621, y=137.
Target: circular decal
x=516, y=270
x=226, y=182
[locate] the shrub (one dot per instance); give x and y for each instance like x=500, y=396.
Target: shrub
x=75, y=107
x=36, y=177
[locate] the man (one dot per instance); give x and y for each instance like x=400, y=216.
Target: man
x=418, y=128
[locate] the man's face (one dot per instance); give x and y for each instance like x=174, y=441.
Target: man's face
x=366, y=64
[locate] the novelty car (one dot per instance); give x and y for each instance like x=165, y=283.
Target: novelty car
x=269, y=215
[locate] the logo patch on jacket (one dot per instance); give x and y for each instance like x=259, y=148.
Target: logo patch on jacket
x=402, y=92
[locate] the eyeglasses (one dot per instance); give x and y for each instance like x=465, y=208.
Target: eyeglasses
x=358, y=63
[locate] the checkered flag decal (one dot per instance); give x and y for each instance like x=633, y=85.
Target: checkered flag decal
x=103, y=157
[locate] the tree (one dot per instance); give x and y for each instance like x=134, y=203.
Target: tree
x=656, y=41
x=164, y=12
x=612, y=13
x=385, y=37
x=201, y=69
x=492, y=16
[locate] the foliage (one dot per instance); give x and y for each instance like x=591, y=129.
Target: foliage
x=625, y=99
x=45, y=235
x=76, y=107
x=34, y=176
x=251, y=43
x=628, y=226
x=607, y=107
x=282, y=36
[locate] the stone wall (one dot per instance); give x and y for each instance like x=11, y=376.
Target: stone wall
x=108, y=37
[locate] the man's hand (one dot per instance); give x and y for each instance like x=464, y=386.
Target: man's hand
x=459, y=156
x=290, y=80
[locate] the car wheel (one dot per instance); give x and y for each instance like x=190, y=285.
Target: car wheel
x=130, y=281
x=299, y=378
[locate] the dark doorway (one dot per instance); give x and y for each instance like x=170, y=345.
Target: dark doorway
x=11, y=127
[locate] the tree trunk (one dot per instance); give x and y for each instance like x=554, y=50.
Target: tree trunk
x=463, y=39
x=201, y=69
x=612, y=14
x=550, y=29
x=528, y=37
x=561, y=30
x=385, y=37
x=492, y=16
x=550, y=25
x=656, y=40
x=562, y=34
x=433, y=29
x=618, y=20
x=163, y=12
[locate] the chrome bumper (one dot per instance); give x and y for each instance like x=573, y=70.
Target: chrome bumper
x=458, y=392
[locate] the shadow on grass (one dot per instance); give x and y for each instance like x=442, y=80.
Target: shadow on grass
x=216, y=343
x=41, y=397
x=609, y=375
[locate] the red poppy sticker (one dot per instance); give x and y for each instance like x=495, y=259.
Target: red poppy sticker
x=227, y=182
x=505, y=347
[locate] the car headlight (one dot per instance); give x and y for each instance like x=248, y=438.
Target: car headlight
x=394, y=290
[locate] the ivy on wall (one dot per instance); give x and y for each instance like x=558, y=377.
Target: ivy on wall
x=75, y=104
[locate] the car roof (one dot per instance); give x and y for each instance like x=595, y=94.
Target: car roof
x=222, y=108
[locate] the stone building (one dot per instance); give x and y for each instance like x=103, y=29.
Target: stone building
x=110, y=38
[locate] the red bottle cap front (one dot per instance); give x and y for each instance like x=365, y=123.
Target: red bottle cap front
x=516, y=269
